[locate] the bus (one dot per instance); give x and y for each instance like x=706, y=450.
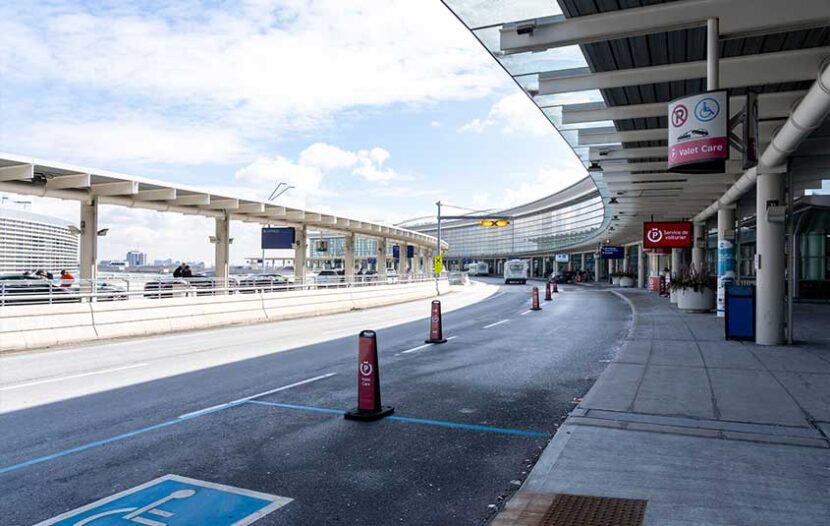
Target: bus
x=478, y=268
x=515, y=271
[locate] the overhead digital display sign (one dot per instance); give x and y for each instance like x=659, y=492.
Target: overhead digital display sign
x=676, y=234
x=278, y=237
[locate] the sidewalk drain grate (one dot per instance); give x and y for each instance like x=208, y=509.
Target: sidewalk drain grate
x=582, y=510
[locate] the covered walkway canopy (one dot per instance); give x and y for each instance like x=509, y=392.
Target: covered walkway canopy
x=91, y=187
x=604, y=71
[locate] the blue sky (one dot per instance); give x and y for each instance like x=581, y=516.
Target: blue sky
x=371, y=109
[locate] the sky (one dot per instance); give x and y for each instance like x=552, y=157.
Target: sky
x=370, y=109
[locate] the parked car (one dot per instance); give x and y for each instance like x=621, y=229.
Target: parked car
x=563, y=276
x=166, y=287
x=107, y=291
x=267, y=282
x=17, y=289
x=328, y=278
x=205, y=283
x=366, y=276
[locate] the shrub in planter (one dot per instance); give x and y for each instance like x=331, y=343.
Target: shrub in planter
x=695, y=291
x=623, y=279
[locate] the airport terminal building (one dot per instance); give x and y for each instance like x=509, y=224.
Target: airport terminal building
x=30, y=241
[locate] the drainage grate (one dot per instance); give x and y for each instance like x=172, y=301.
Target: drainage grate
x=581, y=510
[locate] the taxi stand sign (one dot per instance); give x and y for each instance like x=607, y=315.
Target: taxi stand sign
x=698, y=133
x=172, y=500
x=438, y=264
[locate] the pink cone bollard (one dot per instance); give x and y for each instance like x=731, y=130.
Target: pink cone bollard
x=368, y=381
x=436, y=332
x=555, y=285
x=535, y=299
x=547, y=291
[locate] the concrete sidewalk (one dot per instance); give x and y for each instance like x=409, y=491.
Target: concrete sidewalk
x=707, y=431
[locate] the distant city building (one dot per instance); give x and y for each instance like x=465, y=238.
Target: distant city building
x=30, y=241
x=136, y=258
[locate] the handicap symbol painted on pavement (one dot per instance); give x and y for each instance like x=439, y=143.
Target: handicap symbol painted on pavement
x=172, y=500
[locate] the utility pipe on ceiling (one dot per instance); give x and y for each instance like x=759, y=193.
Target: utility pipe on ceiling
x=806, y=117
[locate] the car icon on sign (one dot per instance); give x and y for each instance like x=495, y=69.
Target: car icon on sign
x=693, y=134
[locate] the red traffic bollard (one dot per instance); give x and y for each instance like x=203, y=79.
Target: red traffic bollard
x=535, y=299
x=547, y=291
x=368, y=381
x=555, y=285
x=436, y=332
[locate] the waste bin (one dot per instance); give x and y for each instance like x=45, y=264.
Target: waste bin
x=739, y=323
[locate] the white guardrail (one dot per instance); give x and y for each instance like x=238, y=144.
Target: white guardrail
x=15, y=291
x=89, y=316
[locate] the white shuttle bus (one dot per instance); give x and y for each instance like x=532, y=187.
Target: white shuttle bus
x=515, y=271
x=478, y=268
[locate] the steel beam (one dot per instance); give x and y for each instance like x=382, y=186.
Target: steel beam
x=119, y=188
x=17, y=172
x=192, y=200
x=223, y=204
x=69, y=181
x=160, y=194
x=738, y=18
x=736, y=72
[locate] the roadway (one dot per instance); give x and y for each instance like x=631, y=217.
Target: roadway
x=259, y=407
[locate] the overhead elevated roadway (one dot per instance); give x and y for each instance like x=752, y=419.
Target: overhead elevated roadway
x=603, y=73
x=92, y=187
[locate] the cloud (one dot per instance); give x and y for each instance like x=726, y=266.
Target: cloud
x=327, y=157
x=435, y=124
x=249, y=72
x=512, y=114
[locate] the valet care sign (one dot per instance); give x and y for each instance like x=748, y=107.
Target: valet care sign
x=698, y=137
x=676, y=234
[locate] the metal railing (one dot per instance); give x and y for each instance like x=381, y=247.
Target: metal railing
x=40, y=291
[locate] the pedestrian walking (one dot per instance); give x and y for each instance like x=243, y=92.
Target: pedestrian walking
x=66, y=279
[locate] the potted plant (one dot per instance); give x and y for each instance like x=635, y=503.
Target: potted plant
x=695, y=291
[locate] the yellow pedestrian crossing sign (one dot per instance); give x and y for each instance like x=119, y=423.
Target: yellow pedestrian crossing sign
x=438, y=264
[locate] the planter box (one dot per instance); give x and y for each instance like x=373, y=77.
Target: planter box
x=691, y=301
x=673, y=296
x=626, y=282
x=615, y=281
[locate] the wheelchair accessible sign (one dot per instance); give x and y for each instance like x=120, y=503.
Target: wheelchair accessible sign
x=698, y=139
x=172, y=500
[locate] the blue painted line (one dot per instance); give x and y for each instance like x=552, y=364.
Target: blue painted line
x=110, y=440
x=439, y=423
x=471, y=427
x=299, y=407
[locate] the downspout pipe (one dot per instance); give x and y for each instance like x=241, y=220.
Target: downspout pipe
x=806, y=117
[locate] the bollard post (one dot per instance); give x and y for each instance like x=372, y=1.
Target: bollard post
x=555, y=285
x=547, y=291
x=436, y=331
x=535, y=299
x=368, y=382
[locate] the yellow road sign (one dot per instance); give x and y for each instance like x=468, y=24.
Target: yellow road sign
x=438, y=264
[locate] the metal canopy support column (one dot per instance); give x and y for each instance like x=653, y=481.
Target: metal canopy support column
x=222, y=250
x=769, y=273
x=641, y=267
x=675, y=263
x=348, y=256
x=582, y=262
x=726, y=254
x=89, y=241
x=300, y=246
x=381, y=264
x=403, y=261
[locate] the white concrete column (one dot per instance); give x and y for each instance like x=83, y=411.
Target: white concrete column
x=403, y=261
x=675, y=263
x=416, y=260
x=726, y=255
x=597, y=267
x=222, y=250
x=698, y=250
x=348, y=256
x=300, y=246
x=381, y=264
x=626, y=253
x=769, y=273
x=89, y=241
x=582, y=262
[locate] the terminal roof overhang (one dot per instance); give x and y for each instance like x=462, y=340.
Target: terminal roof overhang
x=603, y=72
x=27, y=176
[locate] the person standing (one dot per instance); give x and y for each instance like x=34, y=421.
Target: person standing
x=178, y=272
x=186, y=272
x=66, y=279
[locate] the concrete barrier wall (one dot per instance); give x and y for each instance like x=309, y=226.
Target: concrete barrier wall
x=33, y=326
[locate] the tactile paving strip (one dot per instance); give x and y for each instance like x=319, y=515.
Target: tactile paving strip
x=583, y=510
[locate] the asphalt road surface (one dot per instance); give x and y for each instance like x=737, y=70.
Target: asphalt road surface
x=264, y=411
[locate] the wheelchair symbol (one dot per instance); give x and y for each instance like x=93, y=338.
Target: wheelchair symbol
x=707, y=109
x=133, y=515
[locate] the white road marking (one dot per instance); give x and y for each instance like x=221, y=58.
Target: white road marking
x=497, y=323
x=424, y=346
x=271, y=391
x=525, y=312
x=72, y=376
x=496, y=295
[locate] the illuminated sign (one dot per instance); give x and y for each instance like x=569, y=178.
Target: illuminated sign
x=610, y=252
x=278, y=237
x=494, y=222
x=667, y=235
